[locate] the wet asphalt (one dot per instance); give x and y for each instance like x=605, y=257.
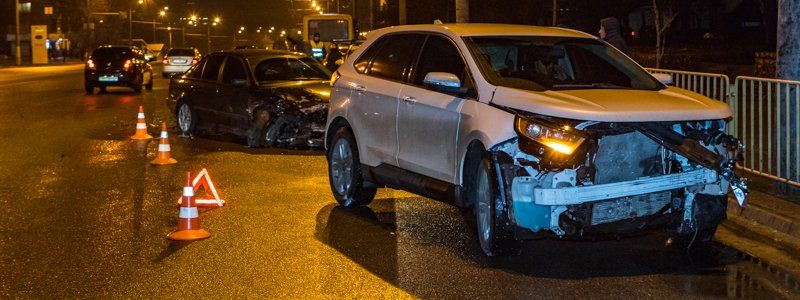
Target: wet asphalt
x=84, y=215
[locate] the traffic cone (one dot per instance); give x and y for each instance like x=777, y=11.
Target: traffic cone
x=164, y=156
x=189, y=217
x=141, y=127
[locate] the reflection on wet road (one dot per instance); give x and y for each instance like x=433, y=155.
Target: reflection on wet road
x=84, y=215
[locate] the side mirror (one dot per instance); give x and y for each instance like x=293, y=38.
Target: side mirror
x=666, y=79
x=444, y=82
x=239, y=82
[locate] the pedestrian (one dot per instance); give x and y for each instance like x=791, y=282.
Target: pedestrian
x=333, y=56
x=317, y=47
x=611, y=32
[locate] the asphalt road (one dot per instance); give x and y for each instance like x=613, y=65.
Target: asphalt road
x=85, y=215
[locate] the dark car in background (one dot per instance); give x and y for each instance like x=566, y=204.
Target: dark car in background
x=179, y=60
x=122, y=66
x=273, y=98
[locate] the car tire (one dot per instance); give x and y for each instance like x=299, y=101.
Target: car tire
x=89, y=89
x=344, y=171
x=257, y=134
x=187, y=119
x=149, y=85
x=491, y=210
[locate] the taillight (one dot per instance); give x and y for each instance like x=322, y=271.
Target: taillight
x=194, y=61
x=165, y=61
x=90, y=65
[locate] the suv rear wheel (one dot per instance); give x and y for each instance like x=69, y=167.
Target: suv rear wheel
x=344, y=171
x=491, y=210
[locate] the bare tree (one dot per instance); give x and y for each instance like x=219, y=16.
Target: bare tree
x=663, y=20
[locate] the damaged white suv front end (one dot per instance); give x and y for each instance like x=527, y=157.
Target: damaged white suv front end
x=540, y=131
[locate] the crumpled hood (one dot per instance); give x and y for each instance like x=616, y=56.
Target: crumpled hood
x=615, y=105
x=307, y=94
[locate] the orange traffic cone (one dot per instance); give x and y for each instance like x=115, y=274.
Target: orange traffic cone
x=141, y=127
x=164, y=156
x=189, y=217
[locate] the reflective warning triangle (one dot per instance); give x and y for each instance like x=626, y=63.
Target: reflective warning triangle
x=203, y=180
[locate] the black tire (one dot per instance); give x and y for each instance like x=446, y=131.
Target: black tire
x=149, y=85
x=488, y=194
x=89, y=89
x=708, y=212
x=344, y=171
x=257, y=134
x=186, y=126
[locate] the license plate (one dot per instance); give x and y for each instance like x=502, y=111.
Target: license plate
x=106, y=78
x=179, y=61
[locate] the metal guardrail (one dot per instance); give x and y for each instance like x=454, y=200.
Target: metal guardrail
x=764, y=110
x=770, y=126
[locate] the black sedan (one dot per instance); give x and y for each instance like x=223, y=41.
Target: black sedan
x=273, y=98
x=117, y=66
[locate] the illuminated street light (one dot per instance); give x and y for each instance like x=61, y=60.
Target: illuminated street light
x=141, y=1
x=272, y=28
x=259, y=30
x=166, y=7
x=241, y=28
x=217, y=20
x=193, y=18
x=299, y=32
x=162, y=13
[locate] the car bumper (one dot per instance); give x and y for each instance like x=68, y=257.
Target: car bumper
x=523, y=189
x=176, y=68
x=123, y=79
x=536, y=208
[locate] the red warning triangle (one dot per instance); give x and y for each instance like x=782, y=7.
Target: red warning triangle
x=211, y=198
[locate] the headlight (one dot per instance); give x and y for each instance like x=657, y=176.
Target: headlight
x=561, y=139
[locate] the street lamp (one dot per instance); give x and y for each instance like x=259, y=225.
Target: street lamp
x=217, y=20
x=130, y=22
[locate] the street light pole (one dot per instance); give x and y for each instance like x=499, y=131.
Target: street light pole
x=130, y=24
x=18, y=49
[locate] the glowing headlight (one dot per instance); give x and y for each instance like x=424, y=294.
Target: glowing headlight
x=557, y=138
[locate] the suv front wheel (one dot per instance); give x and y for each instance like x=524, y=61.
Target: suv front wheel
x=344, y=171
x=487, y=193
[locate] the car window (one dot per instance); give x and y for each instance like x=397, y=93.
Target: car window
x=180, y=52
x=112, y=53
x=395, y=56
x=234, y=70
x=557, y=63
x=283, y=69
x=197, y=70
x=439, y=55
x=211, y=69
x=363, y=61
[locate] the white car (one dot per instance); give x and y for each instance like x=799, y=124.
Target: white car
x=541, y=131
x=179, y=60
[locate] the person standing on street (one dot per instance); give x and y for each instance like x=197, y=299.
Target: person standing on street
x=333, y=56
x=317, y=48
x=611, y=32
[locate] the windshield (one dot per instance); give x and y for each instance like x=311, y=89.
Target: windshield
x=181, y=52
x=557, y=63
x=290, y=69
x=329, y=30
x=112, y=53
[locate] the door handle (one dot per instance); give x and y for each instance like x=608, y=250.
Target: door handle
x=409, y=99
x=360, y=88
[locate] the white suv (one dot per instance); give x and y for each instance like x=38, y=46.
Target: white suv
x=541, y=131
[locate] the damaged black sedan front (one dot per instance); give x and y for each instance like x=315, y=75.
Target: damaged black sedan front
x=272, y=98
